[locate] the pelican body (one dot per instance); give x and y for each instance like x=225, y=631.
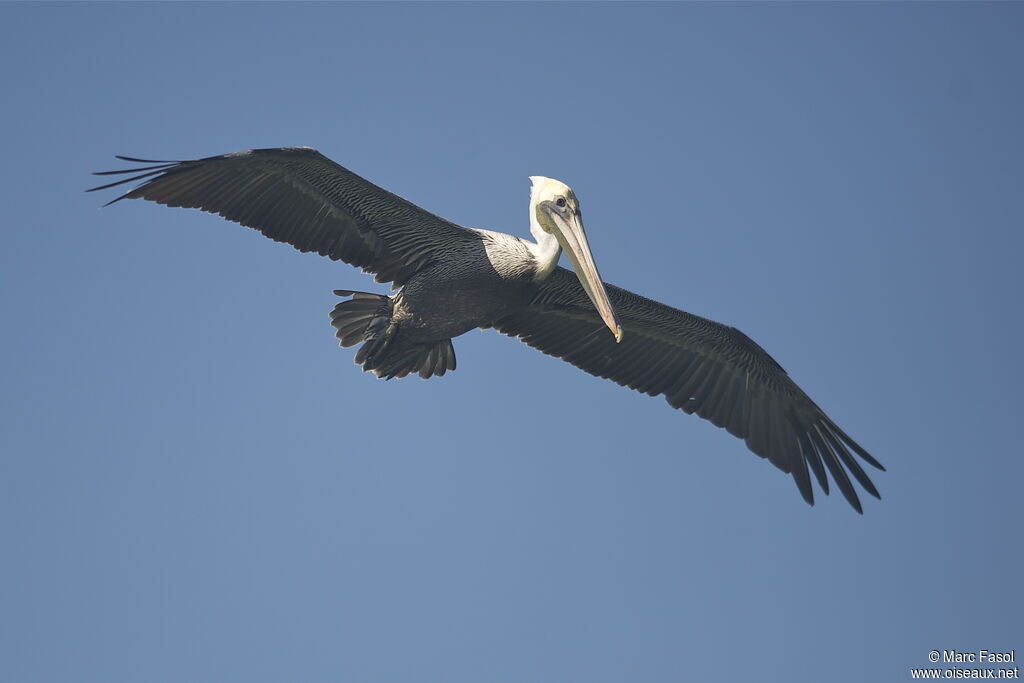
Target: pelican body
x=452, y=279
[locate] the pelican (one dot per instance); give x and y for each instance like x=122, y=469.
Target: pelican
x=450, y=279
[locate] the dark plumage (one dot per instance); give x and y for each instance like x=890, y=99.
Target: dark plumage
x=454, y=279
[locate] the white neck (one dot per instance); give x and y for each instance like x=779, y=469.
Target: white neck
x=545, y=250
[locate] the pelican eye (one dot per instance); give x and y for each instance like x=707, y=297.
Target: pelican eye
x=560, y=201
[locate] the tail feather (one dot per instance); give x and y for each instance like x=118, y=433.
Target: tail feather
x=445, y=359
x=363, y=317
x=366, y=318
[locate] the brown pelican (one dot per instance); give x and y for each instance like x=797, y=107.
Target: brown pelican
x=452, y=279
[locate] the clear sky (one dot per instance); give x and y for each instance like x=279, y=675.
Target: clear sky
x=196, y=484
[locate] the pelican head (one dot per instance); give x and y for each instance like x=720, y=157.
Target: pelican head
x=555, y=211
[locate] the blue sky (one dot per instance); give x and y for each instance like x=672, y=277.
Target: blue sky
x=197, y=484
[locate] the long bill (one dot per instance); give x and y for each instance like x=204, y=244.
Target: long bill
x=570, y=235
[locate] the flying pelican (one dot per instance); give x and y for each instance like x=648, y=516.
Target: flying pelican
x=452, y=279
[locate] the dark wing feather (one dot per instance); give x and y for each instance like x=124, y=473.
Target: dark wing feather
x=701, y=367
x=297, y=195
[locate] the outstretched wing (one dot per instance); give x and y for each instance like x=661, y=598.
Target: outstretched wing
x=701, y=367
x=299, y=196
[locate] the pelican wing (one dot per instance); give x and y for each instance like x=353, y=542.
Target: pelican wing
x=701, y=367
x=299, y=196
